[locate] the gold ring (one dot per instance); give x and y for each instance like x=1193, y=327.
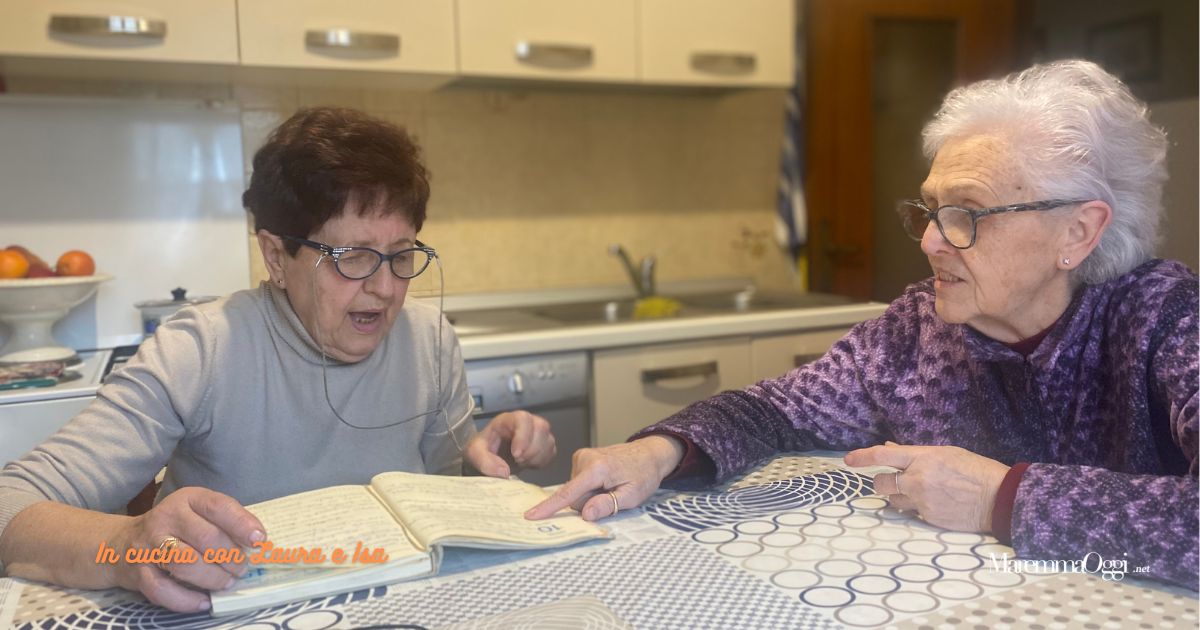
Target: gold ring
x=168, y=544
x=616, y=506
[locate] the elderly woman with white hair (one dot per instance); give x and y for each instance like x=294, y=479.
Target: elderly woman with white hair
x=1041, y=386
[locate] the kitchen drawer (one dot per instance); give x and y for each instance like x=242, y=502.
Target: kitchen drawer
x=198, y=31
x=775, y=355
x=636, y=387
x=718, y=42
x=386, y=35
x=570, y=40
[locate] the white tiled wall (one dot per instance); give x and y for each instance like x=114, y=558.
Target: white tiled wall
x=531, y=186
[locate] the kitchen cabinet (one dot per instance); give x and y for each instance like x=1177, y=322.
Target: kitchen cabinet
x=717, y=42
x=564, y=40
x=417, y=44
x=193, y=31
x=638, y=386
x=376, y=35
x=774, y=355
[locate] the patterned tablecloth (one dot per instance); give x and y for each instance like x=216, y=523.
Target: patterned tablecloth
x=798, y=543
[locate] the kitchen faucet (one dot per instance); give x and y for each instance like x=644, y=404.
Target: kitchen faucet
x=643, y=284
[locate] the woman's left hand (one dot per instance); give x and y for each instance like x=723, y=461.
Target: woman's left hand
x=948, y=486
x=519, y=437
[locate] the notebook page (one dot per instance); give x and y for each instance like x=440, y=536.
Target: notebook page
x=332, y=518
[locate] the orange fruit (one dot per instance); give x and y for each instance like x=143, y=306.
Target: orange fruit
x=75, y=263
x=13, y=264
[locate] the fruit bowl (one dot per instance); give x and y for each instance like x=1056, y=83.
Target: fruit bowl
x=31, y=306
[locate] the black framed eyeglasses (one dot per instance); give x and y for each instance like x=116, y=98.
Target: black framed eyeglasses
x=957, y=225
x=358, y=263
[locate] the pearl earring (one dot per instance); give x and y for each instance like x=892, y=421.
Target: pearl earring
x=1067, y=262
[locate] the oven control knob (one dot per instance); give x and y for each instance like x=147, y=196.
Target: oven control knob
x=516, y=383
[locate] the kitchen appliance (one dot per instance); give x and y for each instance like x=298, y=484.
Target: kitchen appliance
x=30, y=415
x=554, y=386
x=155, y=311
x=31, y=306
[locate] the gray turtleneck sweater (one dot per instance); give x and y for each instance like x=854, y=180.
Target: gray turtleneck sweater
x=230, y=395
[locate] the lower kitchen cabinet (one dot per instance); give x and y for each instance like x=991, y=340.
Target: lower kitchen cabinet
x=636, y=387
x=775, y=355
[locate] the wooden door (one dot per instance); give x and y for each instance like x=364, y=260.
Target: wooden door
x=853, y=47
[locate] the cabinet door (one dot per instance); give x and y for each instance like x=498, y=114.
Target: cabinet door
x=568, y=40
x=395, y=35
x=25, y=425
x=636, y=387
x=201, y=31
x=778, y=354
x=718, y=42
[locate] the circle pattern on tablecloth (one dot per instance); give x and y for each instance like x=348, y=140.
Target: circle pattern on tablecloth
x=782, y=540
x=863, y=615
x=955, y=589
x=795, y=578
x=873, y=584
x=827, y=596
x=749, y=503
x=850, y=544
x=869, y=564
x=316, y=614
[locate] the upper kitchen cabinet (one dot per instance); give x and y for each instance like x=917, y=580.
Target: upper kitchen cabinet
x=194, y=31
x=402, y=37
x=562, y=40
x=718, y=42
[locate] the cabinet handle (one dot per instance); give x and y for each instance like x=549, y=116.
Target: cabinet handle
x=805, y=359
x=725, y=63
x=108, y=26
x=554, y=55
x=698, y=369
x=345, y=40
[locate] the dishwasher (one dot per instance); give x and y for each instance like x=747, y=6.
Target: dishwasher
x=554, y=386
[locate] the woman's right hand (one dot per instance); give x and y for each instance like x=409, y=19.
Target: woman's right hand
x=200, y=519
x=630, y=471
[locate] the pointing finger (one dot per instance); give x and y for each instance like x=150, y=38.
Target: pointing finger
x=566, y=495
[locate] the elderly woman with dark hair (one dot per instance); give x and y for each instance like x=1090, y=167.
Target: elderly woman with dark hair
x=1041, y=386
x=322, y=376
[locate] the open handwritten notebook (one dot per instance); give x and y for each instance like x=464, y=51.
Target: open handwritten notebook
x=408, y=516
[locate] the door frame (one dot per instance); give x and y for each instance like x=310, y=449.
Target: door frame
x=838, y=189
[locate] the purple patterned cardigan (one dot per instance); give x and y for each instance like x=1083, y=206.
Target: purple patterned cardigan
x=1105, y=408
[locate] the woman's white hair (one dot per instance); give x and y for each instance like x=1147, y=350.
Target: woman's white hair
x=1080, y=134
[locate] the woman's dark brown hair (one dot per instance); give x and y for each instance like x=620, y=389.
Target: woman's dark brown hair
x=320, y=159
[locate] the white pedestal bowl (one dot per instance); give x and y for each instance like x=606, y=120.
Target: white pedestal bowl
x=31, y=306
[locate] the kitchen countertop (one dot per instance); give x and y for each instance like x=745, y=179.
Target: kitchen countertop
x=505, y=325
x=594, y=337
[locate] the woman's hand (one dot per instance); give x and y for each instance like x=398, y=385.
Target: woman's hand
x=514, y=436
x=200, y=519
x=631, y=472
x=948, y=486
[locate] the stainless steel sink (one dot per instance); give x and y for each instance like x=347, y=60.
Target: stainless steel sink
x=742, y=301
x=594, y=312
x=599, y=312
